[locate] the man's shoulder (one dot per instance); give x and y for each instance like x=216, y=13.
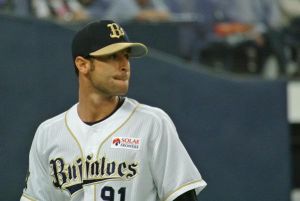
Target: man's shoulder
x=53, y=122
x=49, y=127
x=149, y=112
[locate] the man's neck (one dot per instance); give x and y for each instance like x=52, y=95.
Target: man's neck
x=93, y=107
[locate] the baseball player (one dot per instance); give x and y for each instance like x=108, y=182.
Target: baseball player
x=109, y=147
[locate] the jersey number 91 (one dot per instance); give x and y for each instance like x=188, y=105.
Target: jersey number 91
x=108, y=193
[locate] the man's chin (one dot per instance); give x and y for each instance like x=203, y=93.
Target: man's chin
x=122, y=92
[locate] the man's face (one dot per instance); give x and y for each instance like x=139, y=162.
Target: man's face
x=109, y=75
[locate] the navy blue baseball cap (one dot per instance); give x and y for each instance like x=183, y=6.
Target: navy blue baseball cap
x=105, y=37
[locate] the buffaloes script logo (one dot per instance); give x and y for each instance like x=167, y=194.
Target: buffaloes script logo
x=73, y=176
x=116, y=30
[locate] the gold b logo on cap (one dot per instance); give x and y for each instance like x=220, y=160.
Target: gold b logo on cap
x=116, y=30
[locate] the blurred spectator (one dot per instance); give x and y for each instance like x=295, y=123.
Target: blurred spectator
x=290, y=10
x=138, y=10
x=96, y=9
x=15, y=7
x=6, y=6
x=61, y=10
x=21, y=8
x=291, y=23
x=41, y=9
x=257, y=21
x=188, y=15
x=247, y=28
x=183, y=10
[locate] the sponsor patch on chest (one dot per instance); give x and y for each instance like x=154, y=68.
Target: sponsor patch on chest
x=126, y=143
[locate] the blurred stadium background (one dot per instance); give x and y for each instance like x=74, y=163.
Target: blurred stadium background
x=241, y=127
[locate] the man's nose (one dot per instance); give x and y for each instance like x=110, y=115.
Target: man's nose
x=123, y=62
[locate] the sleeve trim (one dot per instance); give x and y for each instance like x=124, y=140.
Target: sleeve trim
x=198, y=185
x=27, y=198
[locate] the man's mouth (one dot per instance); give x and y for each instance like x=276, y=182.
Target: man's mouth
x=121, y=77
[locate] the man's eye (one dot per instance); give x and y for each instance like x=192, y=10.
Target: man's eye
x=126, y=55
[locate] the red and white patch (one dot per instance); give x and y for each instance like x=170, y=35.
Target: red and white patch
x=126, y=143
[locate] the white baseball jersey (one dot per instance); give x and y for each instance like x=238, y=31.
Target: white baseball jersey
x=134, y=155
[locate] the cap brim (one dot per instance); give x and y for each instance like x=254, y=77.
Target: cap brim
x=136, y=49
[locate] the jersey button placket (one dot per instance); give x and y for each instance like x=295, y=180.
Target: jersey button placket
x=92, y=141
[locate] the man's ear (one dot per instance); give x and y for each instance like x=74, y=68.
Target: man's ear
x=82, y=64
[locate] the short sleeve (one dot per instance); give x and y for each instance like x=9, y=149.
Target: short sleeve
x=172, y=168
x=38, y=182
